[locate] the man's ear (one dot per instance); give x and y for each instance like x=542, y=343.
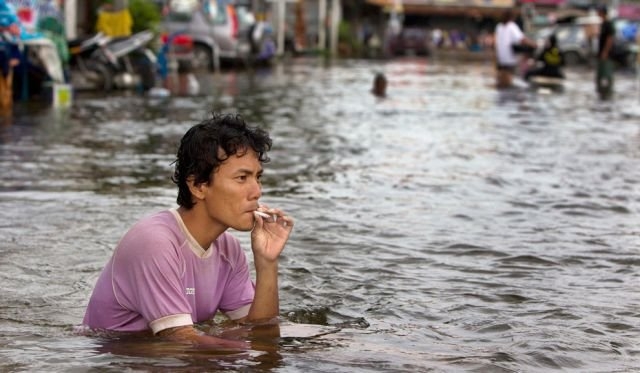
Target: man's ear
x=197, y=190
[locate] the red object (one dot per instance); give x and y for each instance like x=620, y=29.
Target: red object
x=234, y=20
x=25, y=15
x=182, y=40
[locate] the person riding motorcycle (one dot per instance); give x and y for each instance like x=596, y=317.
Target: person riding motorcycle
x=548, y=62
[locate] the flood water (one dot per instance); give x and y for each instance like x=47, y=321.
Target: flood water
x=449, y=227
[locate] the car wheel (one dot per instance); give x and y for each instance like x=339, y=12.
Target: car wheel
x=202, y=57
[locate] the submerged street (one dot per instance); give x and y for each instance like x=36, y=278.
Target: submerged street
x=447, y=227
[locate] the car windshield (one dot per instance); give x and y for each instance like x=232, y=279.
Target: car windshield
x=245, y=17
x=182, y=10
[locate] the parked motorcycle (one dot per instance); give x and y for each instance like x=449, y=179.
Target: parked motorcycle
x=88, y=70
x=104, y=63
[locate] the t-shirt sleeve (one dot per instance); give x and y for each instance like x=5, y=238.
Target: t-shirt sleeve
x=610, y=30
x=516, y=33
x=240, y=289
x=147, y=272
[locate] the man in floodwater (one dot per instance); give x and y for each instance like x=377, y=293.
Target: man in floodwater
x=379, y=85
x=180, y=266
x=604, y=68
x=508, y=36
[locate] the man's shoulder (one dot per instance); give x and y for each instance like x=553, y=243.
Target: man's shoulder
x=513, y=27
x=157, y=226
x=159, y=219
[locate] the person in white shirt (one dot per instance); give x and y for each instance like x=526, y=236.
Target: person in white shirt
x=508, y=35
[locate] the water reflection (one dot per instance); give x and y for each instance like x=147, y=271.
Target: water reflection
x=151, y=353
x=268, y=342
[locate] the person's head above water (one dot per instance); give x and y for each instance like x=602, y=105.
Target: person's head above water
x=379, y=85
x=206, y=145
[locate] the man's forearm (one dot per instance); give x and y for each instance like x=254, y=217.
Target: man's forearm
x=266, y=302
x=188, y=334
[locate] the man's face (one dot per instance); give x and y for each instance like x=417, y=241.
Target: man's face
x=232, y=196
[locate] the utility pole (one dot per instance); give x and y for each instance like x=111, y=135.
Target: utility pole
x=70, y=19
x=282, y=14
x=336, y=17
x=322, y=25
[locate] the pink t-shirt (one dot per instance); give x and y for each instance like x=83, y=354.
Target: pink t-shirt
x=160, y=277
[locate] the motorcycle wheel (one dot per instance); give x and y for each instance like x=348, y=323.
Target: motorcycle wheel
x=99, y=76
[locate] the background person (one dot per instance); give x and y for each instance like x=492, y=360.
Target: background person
x=379, y=88
x=114, y=19
x=604, y=67
x=550, y=61
x=507, y=36
x=179, y=267
x=10, y=31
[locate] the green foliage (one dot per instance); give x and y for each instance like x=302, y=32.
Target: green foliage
x=349, y=44
x=145, y=15
x=344, y=32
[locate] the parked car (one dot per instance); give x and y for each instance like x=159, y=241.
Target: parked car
x=220, y=32
x=577, y=49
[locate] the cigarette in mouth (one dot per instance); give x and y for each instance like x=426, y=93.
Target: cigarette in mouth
x=267, y=216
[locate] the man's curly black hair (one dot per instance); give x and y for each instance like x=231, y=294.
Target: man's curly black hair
x=208, y=144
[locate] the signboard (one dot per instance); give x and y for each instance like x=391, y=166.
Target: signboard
x=32, y=12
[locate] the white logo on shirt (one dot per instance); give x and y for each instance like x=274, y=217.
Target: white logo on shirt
x=191, y=291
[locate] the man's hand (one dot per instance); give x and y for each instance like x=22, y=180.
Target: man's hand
x=269, y=235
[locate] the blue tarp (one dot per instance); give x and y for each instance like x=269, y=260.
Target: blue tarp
x=8, y=14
